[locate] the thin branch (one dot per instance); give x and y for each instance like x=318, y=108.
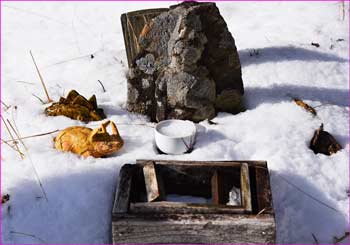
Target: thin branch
x=337, y=240
x=25, y=82
x=309, y=195
x=103, y=87
x=29, y=235
x=15, y=145
x=315, y=238
x=3, y=141
x=43, y=102
x=32, y=136
x=30, y=159
x=6, y=106
x=16, y=133
x=68, y=60
x=41, y=78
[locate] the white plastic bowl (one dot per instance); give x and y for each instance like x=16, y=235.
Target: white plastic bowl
x=175, y=136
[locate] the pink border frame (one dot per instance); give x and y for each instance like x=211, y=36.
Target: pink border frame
x=159, y=1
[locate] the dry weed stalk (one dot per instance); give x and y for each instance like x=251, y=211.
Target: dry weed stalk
x=27, y=152
x=31, y=136
x=49, y=100
x=29, y=235
x=6, y=106
x=15, y=142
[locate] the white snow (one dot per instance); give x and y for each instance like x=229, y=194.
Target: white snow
x=176, y=128
x=186, y=199
x=63, y=35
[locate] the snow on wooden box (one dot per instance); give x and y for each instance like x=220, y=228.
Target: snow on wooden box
x=142, y=213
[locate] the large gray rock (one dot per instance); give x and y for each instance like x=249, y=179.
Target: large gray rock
x=187, y=66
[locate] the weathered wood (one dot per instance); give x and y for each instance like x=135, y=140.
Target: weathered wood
x=263, y=190
x=189, y=228
x=220, y=188
x=204, y=163
x=132, y=25
x=183, y=208
x=154, y=184
x=215, y=188
x=173, y=222
x=245, y=188
x=122, y=197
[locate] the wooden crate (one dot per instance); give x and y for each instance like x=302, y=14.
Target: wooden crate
x=142, y=215
x=132, y=24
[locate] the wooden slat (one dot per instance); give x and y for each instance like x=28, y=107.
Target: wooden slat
x=245, y=188
x=263, y=190
x=154, y=184
x=204, y=163
x=218, y=189
x=182, y=208
x=198, y=228
x=215, y=185
x=122, y=197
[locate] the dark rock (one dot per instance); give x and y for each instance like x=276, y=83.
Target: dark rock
x=323, y=142
x=187, y=66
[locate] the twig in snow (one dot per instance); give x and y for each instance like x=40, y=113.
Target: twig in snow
x=11, y=146
x=315, y=238
x=32, y=136
x=68, y=60
x=310, y=196
x=15, y=131
x=29, y=235
x=25, y=82
x=337, y=240
x=6, y=106
x=103, y=87
x=30, y=159
x=15, y=143
x=41, y=79
x=43, y=102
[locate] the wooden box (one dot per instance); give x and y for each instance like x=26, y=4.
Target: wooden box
x=142, y=214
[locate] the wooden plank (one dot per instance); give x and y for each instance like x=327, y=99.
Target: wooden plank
x=154, y=184
x=122, y=197
x=132, y=25
x=204, y=163
x=219, y=189
x=245, y=188
x=182, y=208
x=189, y=228
x=215, y=188
x=263, y=190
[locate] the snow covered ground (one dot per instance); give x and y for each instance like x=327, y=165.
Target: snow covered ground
x=63, y=35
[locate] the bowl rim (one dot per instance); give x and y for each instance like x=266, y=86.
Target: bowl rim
x=156, y=129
